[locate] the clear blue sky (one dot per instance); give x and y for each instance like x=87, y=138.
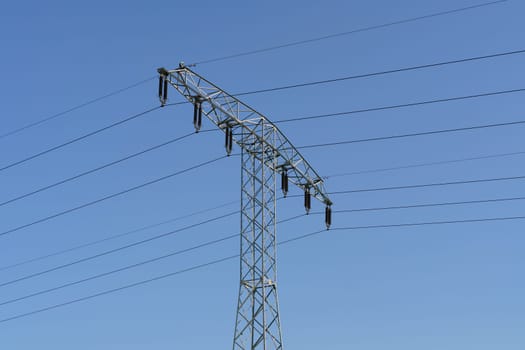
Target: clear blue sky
x=451, y=287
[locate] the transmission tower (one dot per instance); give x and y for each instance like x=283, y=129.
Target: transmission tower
x=265, y=154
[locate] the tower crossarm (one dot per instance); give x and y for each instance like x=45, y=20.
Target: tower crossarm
x=242, y=124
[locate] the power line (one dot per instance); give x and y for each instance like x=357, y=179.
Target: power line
x=128, y=267
x=118, y=249
x=389, y=137
x=431, y=223
x=85, y=136
x=354, y=31
x=300, y=147
x=276, y=122
x=424, y=133
x=469, y=59
x=214, y=262
x=413, y=104
x=425, y=205
x=418, y=165
x=219, y=158
x=118, y=289
x=321, y=116
x=385, y=72
x=422, y=205
x=127, y=246
x=473, y=181
x=428, y=223
x=404, y=105
x=138, y=83
x=112, y=237
x=74, y=108
x=233, y=202
x=380, y=108
x=47, y=218
x=91, y=171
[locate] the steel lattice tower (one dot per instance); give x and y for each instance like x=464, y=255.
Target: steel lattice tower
x=265, y=152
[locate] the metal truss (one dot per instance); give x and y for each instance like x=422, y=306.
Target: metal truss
x=265, y=152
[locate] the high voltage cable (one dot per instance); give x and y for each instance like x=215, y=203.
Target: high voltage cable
x=87, y=103
x=116, y=289
x=382, y=108
x=418, y=165
x=415, y=224
x=424, y=205
x=300, y=147
x=276, y=122
x=76, y=139
x=368, y=75
x=451, y=183
x=424, y=133
x=389, y=137
x=214, y=262
x=404, y=105
x=127, y=267
x=307, y=146
x=470, y=59
x=60, y=252
x=118, y=91
x=112, y=237
x=91, y=171
x=59, y=267
x=372, y=109
x=431, y=223
x=111, y=196
x=216, y=241
x=354, y=31
x=118, y=249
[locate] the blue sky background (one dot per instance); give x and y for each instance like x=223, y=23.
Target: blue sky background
x=432, y=287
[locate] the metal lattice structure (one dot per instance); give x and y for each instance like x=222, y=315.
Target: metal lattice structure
x=265, y=152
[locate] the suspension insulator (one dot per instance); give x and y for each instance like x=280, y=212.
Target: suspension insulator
x=165, y=92
x=307, y=199
x=161, y=86
x=197, y=115
x=228, y=141
x=199, y=118
x=284, y=182
x=328, y=217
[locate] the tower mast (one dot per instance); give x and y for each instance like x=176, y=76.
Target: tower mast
x=265, y=153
